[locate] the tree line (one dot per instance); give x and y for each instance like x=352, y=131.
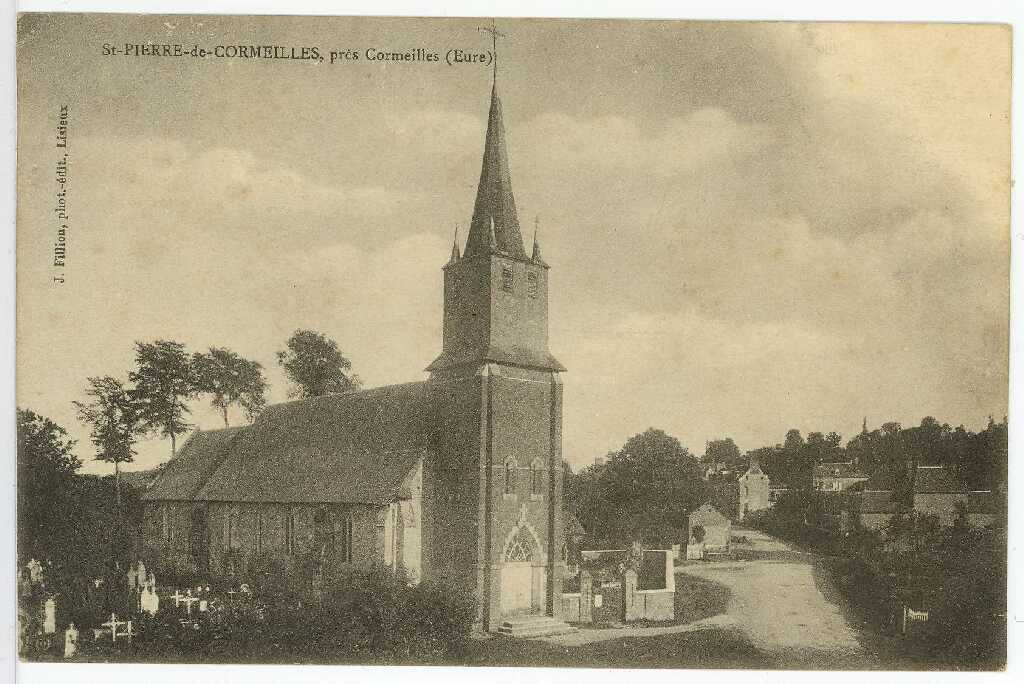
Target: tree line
x=154, y=399
x=886, y=455
x=645, y=490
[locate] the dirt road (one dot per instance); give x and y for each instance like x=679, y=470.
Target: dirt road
x=784, y=604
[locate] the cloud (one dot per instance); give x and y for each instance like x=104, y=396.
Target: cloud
x=751, y=227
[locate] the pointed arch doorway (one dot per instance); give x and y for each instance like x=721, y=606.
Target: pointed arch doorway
x=522, y=575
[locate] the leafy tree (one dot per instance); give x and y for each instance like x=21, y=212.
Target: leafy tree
x=46, y=465
x=164, y=381
x=230, y=380
x=642, y=492
x=722, y=451
x=114, y=418
x=794, y=440
x=316, y=366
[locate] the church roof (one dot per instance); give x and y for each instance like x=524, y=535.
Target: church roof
x=340, y=448
x=199, y=456
x=495, y=206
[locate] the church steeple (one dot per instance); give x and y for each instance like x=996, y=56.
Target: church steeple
x=495, y=205
x=495, y=296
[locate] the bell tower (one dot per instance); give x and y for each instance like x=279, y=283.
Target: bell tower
x=495, y=473
x=495, y=296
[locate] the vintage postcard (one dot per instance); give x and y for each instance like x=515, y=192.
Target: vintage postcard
x=568, y=343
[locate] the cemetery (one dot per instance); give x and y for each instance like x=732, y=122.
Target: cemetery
x=129, y=615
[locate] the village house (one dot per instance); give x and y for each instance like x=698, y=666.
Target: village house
x=836, y=477
x=937, y=492
x=874, y=509
x=753, y=491
x=455, y=478
x=981, y=508
x=776, y=492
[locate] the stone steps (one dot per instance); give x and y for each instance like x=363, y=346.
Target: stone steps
x=529, y=626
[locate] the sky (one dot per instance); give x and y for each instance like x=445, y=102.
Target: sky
x=752, y=227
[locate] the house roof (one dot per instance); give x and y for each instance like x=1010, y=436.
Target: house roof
x=571, y=525
x=875, y=501
x=198, y=458
x=753, y=471
x=708, y=515
x=842, y=470
x=935, y=480
x=343, y=448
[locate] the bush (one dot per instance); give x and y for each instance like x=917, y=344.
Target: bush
x=378, y=615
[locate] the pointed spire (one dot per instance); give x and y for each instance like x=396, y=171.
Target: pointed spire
x=864, y=427
x=495, y=203
x=537, y=258
x=455, y=247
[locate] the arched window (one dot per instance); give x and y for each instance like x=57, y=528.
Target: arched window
x=289, y=532
x=510, y=476
x=536, y=477
x=342, y=538
x=257, y=540
x=165, y=523
x=323, y=535
x=232, y=539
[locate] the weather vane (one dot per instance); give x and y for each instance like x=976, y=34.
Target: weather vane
x=495, y=34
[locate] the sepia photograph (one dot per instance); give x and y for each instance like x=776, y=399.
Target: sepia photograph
x=507, y=342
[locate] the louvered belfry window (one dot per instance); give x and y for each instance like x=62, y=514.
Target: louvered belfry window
x=510, y=476
x=536, y=477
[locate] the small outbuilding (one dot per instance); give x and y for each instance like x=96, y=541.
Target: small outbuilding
x=709, y=529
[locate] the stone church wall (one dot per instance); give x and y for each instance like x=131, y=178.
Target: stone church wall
x=259, y=540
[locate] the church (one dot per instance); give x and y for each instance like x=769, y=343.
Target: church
x=456, y=478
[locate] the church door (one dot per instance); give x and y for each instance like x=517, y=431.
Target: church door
x=518, y=578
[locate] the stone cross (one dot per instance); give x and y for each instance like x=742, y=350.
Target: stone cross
x=178, y=597
x=113, y=624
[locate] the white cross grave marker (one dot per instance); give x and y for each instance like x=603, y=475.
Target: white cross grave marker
x=188, y=600
x=113, y=624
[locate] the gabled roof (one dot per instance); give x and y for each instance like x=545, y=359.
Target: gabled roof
x=875, y=501
x=342, y=448
x=708, y=515
x=841, y=470
x=754, y=470
x=935, y=480
x=571, y=525
x=494, y=212
x=198, y=458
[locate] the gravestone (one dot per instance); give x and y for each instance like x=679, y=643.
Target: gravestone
x=70, y=641
x=50, y=617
